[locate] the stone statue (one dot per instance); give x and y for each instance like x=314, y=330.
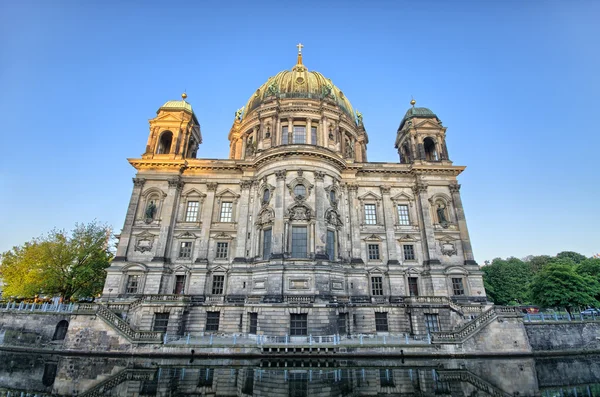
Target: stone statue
x=238, y=113
x=327, y=91
x=359, y=117
x=272, y=89
x=151, y=210
x=441, y=214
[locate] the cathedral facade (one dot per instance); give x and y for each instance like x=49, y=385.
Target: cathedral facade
x=296, y=233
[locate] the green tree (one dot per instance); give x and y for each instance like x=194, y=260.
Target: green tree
x=536, y=263
x=506, y=281
x=574, y=256
x=590, y=267
x=60, y=263
x=559, y=285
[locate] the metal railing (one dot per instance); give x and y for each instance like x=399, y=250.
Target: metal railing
x=38, y=307
x=559, y=316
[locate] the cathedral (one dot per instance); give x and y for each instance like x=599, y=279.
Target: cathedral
x=296, y=233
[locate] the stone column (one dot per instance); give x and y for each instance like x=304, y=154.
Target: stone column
x=427, y=235
x=207, y=214
x=308, y=132
x=355, y=221
x=277, y=236
x=242, y=217
x=138, y=184
x=244, y=145
x=462, y=224
x=290, y=130
x=388, y=219
x=167, y=219
x=321, y=225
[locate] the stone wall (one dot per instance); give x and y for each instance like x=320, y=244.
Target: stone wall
x=27, y=329
x=563, y=336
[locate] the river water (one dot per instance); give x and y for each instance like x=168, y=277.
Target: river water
x=42, y=375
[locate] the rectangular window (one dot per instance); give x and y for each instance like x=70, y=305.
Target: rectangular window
x=373, y=250
x=212, y=321
x=284, y=135
x=313, y=135
x=160, y=322
x=253, y=323
x=432, y=323
x=298, y=324
x=185, y=249
x=377, y=285
x=342, y=321
x=133, y=283
x=299, y=242
x=217, y=286
x=298, y=384
x=299, y=134
x=267, y=244
x=191, y=214
x=409, y=252
x=331, y=245
x=226, y=212
x=370, y=214
x=403, y=218
x=413, y=286
x=206, y=377
x=457, y=286
x=386, y=378
x=222, y=250
x=179, y=285
x=381, y=322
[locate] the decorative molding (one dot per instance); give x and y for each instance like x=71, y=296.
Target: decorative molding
x=300, y=172
x=280, y=175
x=212, y=186
x=352, y=187
x=144, y=241
x=222, y=236
x=385, y=189
x=319, y=176
x=447, y=248
x=138, y=182
x=187, y=235
x=454, y=188
x=299, y=212
x=333, y=218
x=246, y=184
x=420, y=188
x=265, y=216
x=176, y=183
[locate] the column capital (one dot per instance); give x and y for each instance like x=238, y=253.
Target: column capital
x=138, y=182
x=319, y=176
x=176, y=183
x=420, y=188
x=385, y=189
x=212, y=186
x=246, y=184
x=352, y=187
x=280, y=175
x=454, y=188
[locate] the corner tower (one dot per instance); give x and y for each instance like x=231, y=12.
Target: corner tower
x=174, y=132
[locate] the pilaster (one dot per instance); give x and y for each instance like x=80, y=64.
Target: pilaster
x=355, y=222
x=427, y=234
x=321, y=227
x=462, y=224
x=167, y=221
x=138, y=184
x=277, y=236
x=388, y=217
x=207, y=214
x=243, y=208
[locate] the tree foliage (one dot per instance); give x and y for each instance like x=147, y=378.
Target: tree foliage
x=559, y=285
x=506, y=281
x=60, y=263
x=537, y=263
x=574, y=256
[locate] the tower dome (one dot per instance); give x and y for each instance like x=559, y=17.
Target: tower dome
x=299, y=83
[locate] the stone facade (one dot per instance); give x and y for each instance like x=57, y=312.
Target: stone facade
x=295, y=233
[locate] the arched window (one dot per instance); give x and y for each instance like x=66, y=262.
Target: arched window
x=266, y=196
x=300, y=190
x=61, y=330
x=430, y=152
x=49, y=374
x=164, y=144
x=332, y=196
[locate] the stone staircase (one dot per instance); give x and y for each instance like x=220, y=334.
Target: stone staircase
x=102, y=389
x=474, y=326
x=121, y=325
x=466, y=376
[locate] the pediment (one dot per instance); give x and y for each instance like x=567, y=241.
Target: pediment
x=167, y=116
x=408, y=237
x=373, y=237
x=428, y=123
x=227, y=193
x=376, y=270
x=145, y=234
x=186, y=235
x=369, y=196
x=403, y=197
x=194, y=192
x=448, y=238
x=412, y=270
x=218, y=269
x=223, y=236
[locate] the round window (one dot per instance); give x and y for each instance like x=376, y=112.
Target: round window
x=300, y=190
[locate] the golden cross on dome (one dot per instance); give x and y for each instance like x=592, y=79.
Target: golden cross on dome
x=300, y=46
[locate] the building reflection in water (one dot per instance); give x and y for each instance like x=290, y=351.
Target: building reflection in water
x=102, y=376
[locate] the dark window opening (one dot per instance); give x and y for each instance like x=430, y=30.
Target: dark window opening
x=299, y=242
x=430, y=151
x=60, y=332
x=161, y=320
x=298, y=385
x=298, y=324
x=432, y=323
x=373, y=250
x=212, y=321
x=386, y=378
x=253, y=323
x=217, y=286
x=342, y=323
x=377, y=285
x=331, y=245
x=381, y=322
x=413, y=286
x=457, y=286
x=179, y=285
x=164, y=144
x=267, y=244
x=409, y=252
x=206, y=377
x=49, y=374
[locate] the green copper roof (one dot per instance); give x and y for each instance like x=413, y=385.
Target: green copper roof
x=417, y=112
x=177, y=105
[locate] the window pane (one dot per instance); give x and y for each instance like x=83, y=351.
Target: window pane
x=298, y=324
x=332, y=197
x=381, y=322
x=222, y=250
x=253, y=322
x=300, y=190
x=191, y=215
x=413, y=286
x=386, y=377
x=226, y=211
x=266, y=196
x=373, y=250
x=299, y=134
x=185, y=249
x=212, y=321
x=267, y=244
x=331, y=245
x=217, y=287
x=179, y=284
x=284, y=135
x=133, y=282
x=431, y=323
x=409, y=252
x=206, y=376
x=370, y=214
x=377, y=285
x=313, y=135
x=160, y=322
x=403, y=215
x=299, y=242
x=457, y=286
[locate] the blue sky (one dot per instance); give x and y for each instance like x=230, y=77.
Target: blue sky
x=516, y=83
